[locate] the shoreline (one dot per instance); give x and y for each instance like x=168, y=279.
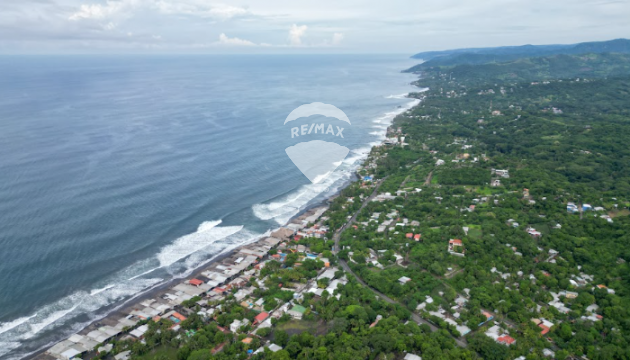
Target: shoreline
x=122, y=309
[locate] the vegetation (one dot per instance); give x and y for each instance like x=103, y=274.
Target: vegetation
x=523, y=256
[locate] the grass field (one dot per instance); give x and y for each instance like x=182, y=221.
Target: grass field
x=298, y=326
x=161, y=352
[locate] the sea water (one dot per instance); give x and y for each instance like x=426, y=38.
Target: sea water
x=118, y=173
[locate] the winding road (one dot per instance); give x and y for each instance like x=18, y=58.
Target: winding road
x=336, y=237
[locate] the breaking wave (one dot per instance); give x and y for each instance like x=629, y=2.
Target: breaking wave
x=401, y=96
x=73, y=312
x=206, y=234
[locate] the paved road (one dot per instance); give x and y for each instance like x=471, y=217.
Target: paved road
x=336, y=237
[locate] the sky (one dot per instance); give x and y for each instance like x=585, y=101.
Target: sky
x=300, y=26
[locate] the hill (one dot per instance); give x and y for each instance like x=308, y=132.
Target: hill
x=507, y=53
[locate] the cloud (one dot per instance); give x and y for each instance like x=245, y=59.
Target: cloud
x=196, y=8
x=225, y=40
x=296, y=33
x=200, y=8
x=98, y=11
x=337, y=38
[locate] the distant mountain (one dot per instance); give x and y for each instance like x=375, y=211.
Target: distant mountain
x=501, y=50
x=475, y=56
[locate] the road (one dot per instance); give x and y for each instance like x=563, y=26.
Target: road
x=337, y=236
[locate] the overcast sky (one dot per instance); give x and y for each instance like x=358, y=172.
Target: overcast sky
x=301, y=26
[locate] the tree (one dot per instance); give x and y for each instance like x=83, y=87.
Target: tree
x=202, y=354
x=281, y=337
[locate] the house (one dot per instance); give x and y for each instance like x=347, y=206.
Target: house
x=495, y=183
x=549, y=353
x=571, y=207
x=429, y=300
x=139, y=331
x=498, y=335
x=439, y=162
x=417, y=237
x=237, y=324
x=297, y=311
x=283, y=233
x=455, y=247
x=403, y=280
x=488, y=317
x=125, y=355
x=195, y=282
x=274, y=347
x=506, y=340
x=531, y=231
x=601, y=286
x=501, y=173
x=412, y=357
x=261, y=317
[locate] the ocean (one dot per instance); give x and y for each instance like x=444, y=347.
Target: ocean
x=118, y=173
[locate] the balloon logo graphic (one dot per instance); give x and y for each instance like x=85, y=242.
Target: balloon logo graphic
x=317, y=159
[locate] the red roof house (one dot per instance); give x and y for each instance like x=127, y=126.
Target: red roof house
x=261, y=317
x=409, y=235
x=506, y=339
x=195, y=282
x=545, y=329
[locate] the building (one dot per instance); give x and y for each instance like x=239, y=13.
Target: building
x=403, y=280
x=297, y=311
x=261, y=317
x=455, y=247
x=237, y=324
x=195, y=282
x=412, y=357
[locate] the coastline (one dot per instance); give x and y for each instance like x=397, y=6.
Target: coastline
x=122, y=309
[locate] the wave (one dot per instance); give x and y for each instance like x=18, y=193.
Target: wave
x=388, y=117
x=283, y=209
x=49, y=320
x=4, y=327
x=63, y=315
x=98, y=291
x=401, y=96
x=65, y=312
x=207, y=233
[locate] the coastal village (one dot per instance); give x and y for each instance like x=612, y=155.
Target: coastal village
x=443, y=245
x=237, y=279
x=206, y=294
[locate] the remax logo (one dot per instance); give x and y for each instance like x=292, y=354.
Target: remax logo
x=317, y=159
